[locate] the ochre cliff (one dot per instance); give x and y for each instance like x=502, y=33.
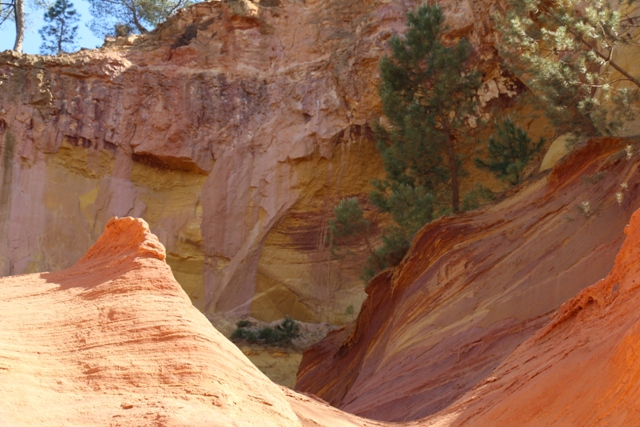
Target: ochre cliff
x=474, y=287
x=233, y=129
x=115, y=341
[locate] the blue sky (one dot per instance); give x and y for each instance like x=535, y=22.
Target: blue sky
x=35, y=21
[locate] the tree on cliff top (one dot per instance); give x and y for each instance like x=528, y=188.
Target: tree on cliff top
x=13, y=10
x=60, y=33
x=135, y=15
x=565, y=51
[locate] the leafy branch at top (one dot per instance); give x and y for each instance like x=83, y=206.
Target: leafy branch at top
x=565, y=51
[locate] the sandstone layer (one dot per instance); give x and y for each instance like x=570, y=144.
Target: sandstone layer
x=581, y=369
x=115, y=341
x=233, y=129
x=474, y=287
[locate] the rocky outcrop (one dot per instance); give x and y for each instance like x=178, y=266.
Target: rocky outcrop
x=474, y=287
x=233, y=129
x=115, y=341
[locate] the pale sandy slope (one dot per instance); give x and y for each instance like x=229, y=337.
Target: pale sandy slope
x=115, y=341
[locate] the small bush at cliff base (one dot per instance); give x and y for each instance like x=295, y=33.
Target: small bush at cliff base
x=244, y=334
x=268, y=335
x=288, y=329
x=281, y=335
x=243, y=323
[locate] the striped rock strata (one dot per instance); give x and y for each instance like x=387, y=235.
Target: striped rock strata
x=474, y=287
x=115, y=341
x=582, y=368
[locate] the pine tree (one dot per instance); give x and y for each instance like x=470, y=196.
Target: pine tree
x=565, y=51
x=509, y=151
x=427, y=92
x=60, y=33
x=13, y=10
x=136, y=16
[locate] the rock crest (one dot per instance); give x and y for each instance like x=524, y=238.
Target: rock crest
x=114, y=340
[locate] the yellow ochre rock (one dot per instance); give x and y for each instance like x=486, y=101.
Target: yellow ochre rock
x=233, y=129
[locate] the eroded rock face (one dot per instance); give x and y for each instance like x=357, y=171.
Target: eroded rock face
x=114, y=340
x=233, y=129
x=473, y=288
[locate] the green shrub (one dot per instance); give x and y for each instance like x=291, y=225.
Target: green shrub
x=250, y=336
x=282, y=334
x=477, y=197
x=238, y=334
x=349, y=224
x=510, y=151
x=244, y=334
x=268, y=335
x=395, y=244
x=243, y=323
x=288, y=330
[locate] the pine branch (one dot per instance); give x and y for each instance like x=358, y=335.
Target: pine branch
x=595, y=50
